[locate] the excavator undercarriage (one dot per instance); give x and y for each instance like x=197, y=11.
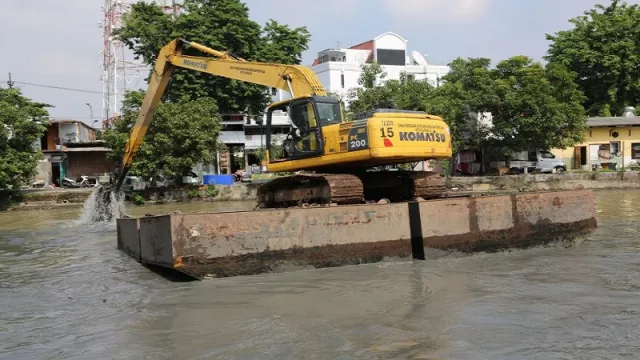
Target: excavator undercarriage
x=322, y=189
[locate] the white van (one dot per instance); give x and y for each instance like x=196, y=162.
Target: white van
x=534, y=161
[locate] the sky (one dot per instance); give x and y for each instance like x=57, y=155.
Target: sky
x=41, y=48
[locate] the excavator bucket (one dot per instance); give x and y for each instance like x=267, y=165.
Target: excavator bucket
x=107, y=204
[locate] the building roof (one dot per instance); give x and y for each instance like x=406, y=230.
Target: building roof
x=390, y=33
x=353, y=47
x=613, y=121
x=70, y=121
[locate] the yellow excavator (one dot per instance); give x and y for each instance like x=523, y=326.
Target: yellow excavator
x=335, y=160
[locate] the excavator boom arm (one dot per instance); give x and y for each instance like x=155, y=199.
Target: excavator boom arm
x=297, y=80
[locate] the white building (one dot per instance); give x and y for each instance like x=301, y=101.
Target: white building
x=340, y=69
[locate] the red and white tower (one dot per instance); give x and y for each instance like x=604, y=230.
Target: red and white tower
x=118, y=73
x=113, y=79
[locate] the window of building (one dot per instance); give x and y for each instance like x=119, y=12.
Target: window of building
x=635, y=151
x=342, y=80
x=615, y=148
x=391, y=57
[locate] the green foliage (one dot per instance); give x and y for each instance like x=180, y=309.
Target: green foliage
x=260, y=154
x=405, y=93
x=10, y=196
x=466, y=91
x=223, y=25
x=405, y=167
x=530, y=105
x=180, y=136
x=22, y=123
x=137, y=199
x=238, y=160
x=193, y=194
x=277, y=149
x=211, y=190
x=603, y=49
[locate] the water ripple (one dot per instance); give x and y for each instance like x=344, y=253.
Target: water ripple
x=69, y=294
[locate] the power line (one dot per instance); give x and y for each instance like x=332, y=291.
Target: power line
x=57, y=87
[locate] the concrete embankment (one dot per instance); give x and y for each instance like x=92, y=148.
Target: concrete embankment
x=53, y=198
x=546, y=182
x=50, y=199
x=478, y=185
x=252, y=242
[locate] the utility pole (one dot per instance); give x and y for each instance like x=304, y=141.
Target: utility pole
x=10, y=82
x=90, y=113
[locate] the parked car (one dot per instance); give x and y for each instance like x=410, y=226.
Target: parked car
x=540, y=161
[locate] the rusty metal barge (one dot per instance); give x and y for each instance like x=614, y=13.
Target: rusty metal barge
x=252, y=242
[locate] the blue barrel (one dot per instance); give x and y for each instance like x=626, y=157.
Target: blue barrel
x=213, y=179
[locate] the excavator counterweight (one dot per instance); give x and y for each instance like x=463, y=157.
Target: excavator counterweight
x=337, y=161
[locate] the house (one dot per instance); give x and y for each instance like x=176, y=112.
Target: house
x=71, y=150
x=609, y=142
x=339, y=68
x=243, y=135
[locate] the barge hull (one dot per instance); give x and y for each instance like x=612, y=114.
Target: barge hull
x=254, y=242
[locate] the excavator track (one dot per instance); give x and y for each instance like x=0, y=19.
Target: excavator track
x=312, y=189
x=428, y=185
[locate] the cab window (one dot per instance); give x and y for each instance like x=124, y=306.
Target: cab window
x=547, y=155
x=303, y=115
x=328, y=113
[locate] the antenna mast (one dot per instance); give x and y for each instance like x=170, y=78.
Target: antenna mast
x=113, y=63
x=117, y=72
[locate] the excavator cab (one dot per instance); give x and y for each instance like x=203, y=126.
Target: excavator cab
x=308, y=116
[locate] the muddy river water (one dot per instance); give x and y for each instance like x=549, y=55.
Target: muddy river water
x=67, y=293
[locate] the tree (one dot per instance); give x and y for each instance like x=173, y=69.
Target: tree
x=369, y=95
x=220, y=24
x=530, y=105
x=22, y=123
x=276, y=150
x=536, y=106
x=180, y=136
x=404, y=93
x=466, y=91
x=603, y=49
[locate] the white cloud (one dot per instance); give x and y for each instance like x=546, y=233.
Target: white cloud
x=456, y=10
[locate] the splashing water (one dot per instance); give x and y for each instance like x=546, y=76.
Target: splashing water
x=103, y=206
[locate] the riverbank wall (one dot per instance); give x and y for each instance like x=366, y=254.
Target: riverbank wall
x=546, y=182
x=227, y=244
x=472, y=185
x=55, y=198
